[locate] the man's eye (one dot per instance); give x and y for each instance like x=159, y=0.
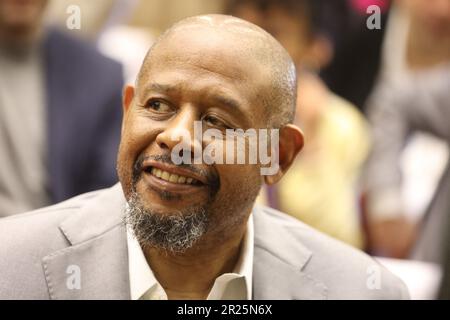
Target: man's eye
x=215, y=122
x=158, y=106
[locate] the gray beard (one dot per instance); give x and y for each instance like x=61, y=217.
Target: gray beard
x=176, y=232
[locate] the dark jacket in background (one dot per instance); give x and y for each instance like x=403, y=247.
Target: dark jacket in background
x=84, y=111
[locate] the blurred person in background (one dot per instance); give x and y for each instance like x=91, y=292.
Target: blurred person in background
x=412, y=94
x=353, y=71
x=321, y=187
x=60, y=112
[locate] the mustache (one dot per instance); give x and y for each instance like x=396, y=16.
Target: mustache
x=211, y=177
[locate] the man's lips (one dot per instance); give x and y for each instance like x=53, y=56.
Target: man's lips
x=173, y=174
x=158, y=184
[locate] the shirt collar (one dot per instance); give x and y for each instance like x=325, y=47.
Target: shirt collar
x=141, y=276
x=235, y=285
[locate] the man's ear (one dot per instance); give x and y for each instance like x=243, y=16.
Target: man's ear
x=127, y=98
x=291, y=142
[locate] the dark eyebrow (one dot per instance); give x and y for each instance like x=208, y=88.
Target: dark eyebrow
x=226, y=101
x=230, y=103
x=162, y=88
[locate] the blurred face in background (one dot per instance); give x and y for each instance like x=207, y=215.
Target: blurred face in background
x=21, y=17
x=432, y=15
x=290, y=31
x=307, y=49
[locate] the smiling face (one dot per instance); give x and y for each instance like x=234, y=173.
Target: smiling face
x=196, y=76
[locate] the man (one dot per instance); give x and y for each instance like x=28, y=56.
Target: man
x=191, y=231
x=59, y=112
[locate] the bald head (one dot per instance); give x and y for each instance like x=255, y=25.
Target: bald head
x=244, y=41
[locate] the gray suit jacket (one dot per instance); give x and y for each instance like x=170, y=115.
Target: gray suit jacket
x=291, y=261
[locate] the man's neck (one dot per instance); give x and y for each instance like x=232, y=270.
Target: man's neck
x=191, y=275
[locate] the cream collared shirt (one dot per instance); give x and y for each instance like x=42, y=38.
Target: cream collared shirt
x=228, y=286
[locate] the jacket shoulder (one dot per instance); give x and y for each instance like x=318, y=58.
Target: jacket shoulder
x=24, y=240
x=346, y=272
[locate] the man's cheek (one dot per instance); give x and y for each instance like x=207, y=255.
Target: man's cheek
x=138, y=138
x=232, y=175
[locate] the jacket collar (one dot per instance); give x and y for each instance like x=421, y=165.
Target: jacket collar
x=280, y=261
x=97, y=217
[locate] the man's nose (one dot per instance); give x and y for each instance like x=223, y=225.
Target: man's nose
x=180, y=132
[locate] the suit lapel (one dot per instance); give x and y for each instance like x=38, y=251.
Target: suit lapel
x=279, y=262
x=95, y=266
